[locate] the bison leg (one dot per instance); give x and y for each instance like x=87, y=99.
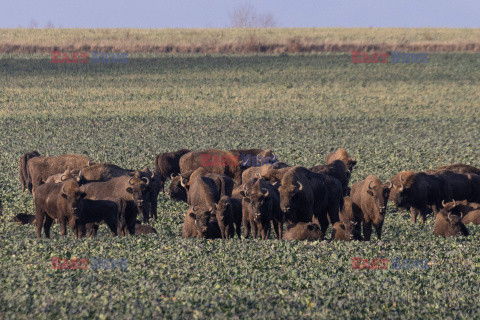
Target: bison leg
x=39, y=217
x=112, y=225
x=278, y=228
x=254, y=227
x=367, y=230
x=378, y=230
x=47, y=225
x=63, y=226
x=414, y=214
x=153, y=204
x=333, y=213
x=246, y=227
x=323, y=221
x=238, y=229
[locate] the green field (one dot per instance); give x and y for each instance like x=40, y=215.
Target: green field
x=392, y=117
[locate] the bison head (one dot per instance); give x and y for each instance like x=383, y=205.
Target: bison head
x=257, y=199
x=73, y=193
x=202, y=217
x=380, y=195
x=139, y=187
x=404, y=193
x=176, y=191
x=449, y=224
x=291, y=199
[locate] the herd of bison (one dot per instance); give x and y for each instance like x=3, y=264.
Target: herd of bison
x=230, y=193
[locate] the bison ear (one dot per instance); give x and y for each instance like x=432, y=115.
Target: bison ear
x=129, y=190
x=83, y=195
x=192, y=215
x=243, y=193
x=370, y=192
x=64, y=195
x=246, y=199
x=309, y=227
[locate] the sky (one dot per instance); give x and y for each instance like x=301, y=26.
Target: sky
x=215, y=13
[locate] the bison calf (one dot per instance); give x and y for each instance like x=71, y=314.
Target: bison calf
x=303, y=231
x=23, y=218
x=345, y=231
x=144, y=229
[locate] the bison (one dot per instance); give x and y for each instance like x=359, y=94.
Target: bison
x=338, y=170
x=341, y=154
x=418, y=191
x=198, y=225
x=345, y=231
x=132, y=189
x=59, y=201
x=144, y=229
x=39, y=168
x=23, y=218
x=167, y=164
x=369, y=200
x=351, y=218
x=110, y=211
x=260, y=207
x=226, y=218
x=303, y=231
x=448, y=224
x=305, y=195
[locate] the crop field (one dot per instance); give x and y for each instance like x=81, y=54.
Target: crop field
x=392, y=117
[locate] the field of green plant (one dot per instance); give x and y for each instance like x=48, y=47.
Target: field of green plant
x=391, y=117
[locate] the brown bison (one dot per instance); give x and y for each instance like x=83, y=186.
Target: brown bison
x=254, y=157
x=261, y=207
x=59, y=201
x=468, y=211
x=227, y=217
x=345, y=231
x=22, y=168
x=23, y=218
x=369, y=200
x=338, y=170
x=167, y=164
x=341, y=154
x=132, y=189
x=448, y=224
x=419, y=191
x=350, y=218
x=252, y=172
x=155, y=186
x=303, y=231
x=144, y=229
x=41, y=167
x=208, y=228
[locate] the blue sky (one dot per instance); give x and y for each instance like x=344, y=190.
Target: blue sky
x=215, y=13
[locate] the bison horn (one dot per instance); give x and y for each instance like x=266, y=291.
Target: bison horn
x=147, y=181
x=389, y=184
x=173, y=175
x=63, y=178
x=443, y=203
x=401, y=177
x=454, y=203
x=245, y=189
x=63, y=190
x=90, y=162
x=449, y=214
x=300, y=186
x=182, y=182
x=259, y=175
x=370, y=185
x=266, y=193
x=130, y=181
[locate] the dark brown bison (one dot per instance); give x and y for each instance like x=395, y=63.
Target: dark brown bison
x=167, y=164
x=40, y=168
x=59, y=201
x=155, y=186
x=144, y=229
x=207, y=228
x=460, y=168
x=369, y=200
x=22, y=168
x=338, y=170
x=260, y=208
x=178, y=189
x=225, y=217
x=341, y=154
x=345, y=231
x=94, y=212
x=448, y=224
x=305, y=195
x=420, y=191
x=303, y=231
x=23, y=218
x=132, y=189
